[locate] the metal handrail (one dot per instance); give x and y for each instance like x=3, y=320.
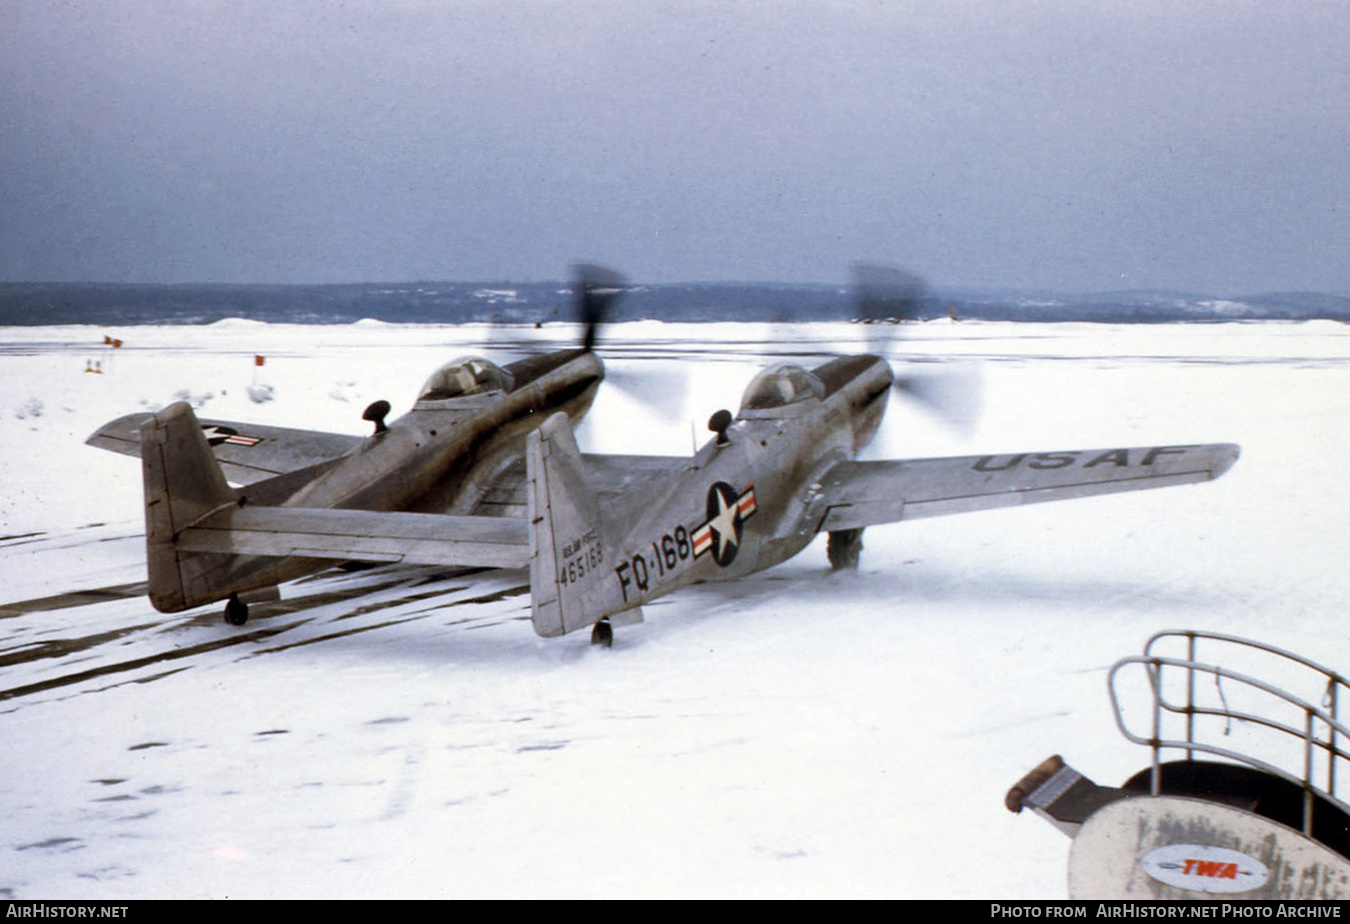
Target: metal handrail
x=1192, y=635
x=1308, y=734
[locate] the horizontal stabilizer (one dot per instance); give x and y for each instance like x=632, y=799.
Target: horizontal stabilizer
x=362, y=535
x=858, y=494
x=246, y=452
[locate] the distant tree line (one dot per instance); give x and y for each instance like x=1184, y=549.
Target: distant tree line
x=25, y=304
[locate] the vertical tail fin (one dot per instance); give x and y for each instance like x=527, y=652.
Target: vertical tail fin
x=571, y=577
x=183, y=484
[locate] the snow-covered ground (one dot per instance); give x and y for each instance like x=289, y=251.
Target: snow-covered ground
x=402, y=732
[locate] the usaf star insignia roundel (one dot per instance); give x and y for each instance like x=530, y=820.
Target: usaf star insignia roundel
x=218, y=433
x=727, y=512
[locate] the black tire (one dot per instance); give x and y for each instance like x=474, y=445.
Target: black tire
x=602, y=633
x=845, y=549
x=236, y=611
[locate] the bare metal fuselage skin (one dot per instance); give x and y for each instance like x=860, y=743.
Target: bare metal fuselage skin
x=783, y=471
x=439, y=457
x=747, y=503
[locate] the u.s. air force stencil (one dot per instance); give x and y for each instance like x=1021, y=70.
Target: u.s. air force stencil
x=727, y=513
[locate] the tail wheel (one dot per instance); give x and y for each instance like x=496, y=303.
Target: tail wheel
x=602, y=633
x=845, y=549
x=236, y=611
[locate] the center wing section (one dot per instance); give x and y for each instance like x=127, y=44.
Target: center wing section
x=246, y=452
x=361, y=535
x=623, y=485
x=851, y=495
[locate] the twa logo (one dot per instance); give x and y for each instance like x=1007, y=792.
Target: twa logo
x=1216, y=868
x=1200, y=868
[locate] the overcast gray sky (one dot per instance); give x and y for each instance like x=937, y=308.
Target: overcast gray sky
x=1064, y=144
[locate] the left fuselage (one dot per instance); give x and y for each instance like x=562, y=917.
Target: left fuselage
x=439, y=457
x=744, y=503
x=423, y=459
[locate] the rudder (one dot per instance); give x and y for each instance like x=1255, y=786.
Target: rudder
x=183, y=485
x=568, y=555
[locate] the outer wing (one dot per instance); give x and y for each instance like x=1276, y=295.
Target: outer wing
x=856, y=494
x=246, y=452
x=362, y=535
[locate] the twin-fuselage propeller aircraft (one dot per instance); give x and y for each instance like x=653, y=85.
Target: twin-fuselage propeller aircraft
x=602, y=534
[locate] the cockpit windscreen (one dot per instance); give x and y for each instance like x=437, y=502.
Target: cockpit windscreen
x=780, y=386
x=468, y=376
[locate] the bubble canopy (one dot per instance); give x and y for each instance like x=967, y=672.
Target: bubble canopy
x=781, y=386
x=469, y=375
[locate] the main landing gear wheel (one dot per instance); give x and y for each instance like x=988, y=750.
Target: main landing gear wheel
x=602, y=634
x=236, y=611
x=845, y=548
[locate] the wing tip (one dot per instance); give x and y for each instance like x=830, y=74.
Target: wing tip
x=116, y=434
x=1225, y=456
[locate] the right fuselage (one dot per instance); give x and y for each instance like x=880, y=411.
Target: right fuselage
x=744, y=502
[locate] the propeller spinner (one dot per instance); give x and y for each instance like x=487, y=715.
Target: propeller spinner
x=884, y=295
x=597, y=288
